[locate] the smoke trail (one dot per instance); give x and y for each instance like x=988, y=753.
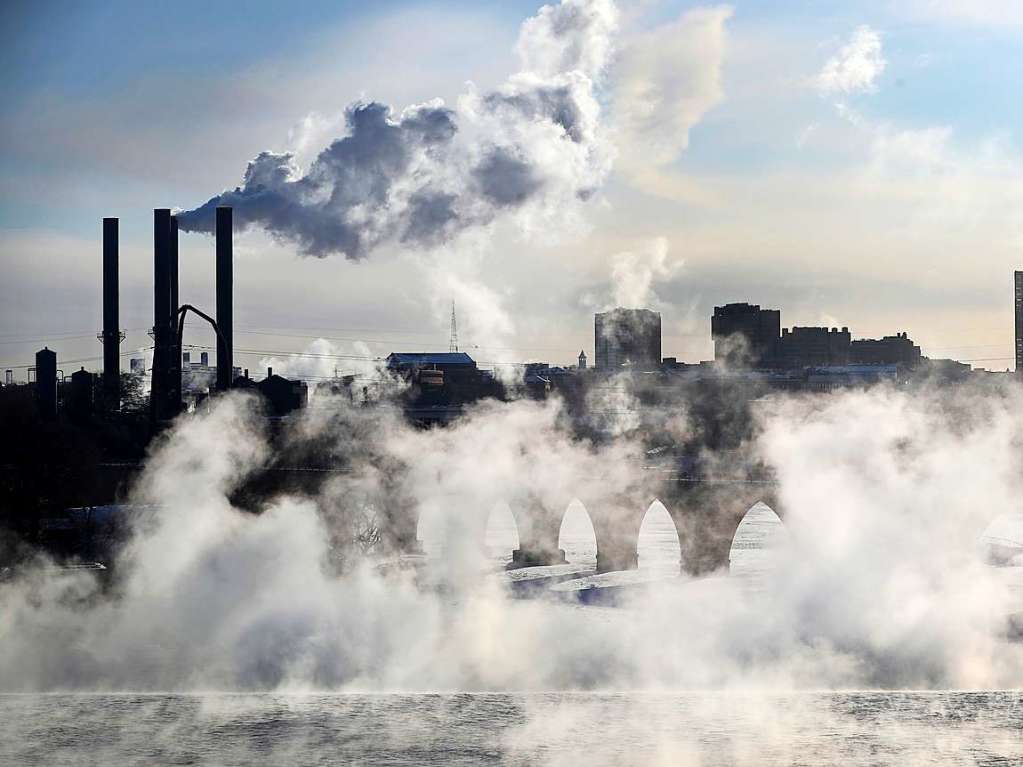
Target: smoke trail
x=429, y=172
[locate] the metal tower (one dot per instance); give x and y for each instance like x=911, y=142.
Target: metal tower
x=453, y=343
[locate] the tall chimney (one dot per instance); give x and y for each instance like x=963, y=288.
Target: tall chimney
x=174, y=355
x=158, y=395
x=225, y=289
x=111, y=321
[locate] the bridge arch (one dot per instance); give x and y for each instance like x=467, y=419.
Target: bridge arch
x=658, y=545
x=758, y=542
x=501, y=532
x=576, y=534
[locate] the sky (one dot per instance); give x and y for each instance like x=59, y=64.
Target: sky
x=851, y=164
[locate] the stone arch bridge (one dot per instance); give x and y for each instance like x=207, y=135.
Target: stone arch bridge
x=706, y=513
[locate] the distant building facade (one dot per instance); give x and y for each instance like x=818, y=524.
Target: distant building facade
x=627, y=338
x=890, y=350
x=744, y=334
x=803, y=347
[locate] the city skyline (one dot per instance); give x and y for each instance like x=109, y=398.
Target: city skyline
x=918, y=235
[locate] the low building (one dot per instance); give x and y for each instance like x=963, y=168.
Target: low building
x=433, y=368
x=890, y=350
x=803, y=347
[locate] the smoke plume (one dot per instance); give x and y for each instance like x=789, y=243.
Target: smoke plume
x=422, y=175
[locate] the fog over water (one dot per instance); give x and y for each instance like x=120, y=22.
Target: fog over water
x=885, y=583
x=882, y=583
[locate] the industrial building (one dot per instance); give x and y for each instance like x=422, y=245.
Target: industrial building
x=627, y=339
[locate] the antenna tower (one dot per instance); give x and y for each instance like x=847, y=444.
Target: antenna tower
x=453, y=343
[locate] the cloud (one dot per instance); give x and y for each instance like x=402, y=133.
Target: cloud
x=856, y=67
x=422, y=176
x=666, y=81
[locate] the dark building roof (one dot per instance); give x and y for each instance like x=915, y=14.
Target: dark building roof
x=398, y=359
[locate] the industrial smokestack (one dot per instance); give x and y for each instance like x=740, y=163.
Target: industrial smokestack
x=46, y=384
x=111, y=321
x=158, y=396
x=225, y=289
x=174, y=356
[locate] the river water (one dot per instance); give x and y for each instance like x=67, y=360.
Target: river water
x=706, y=729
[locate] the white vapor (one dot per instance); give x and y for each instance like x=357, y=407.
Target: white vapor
x=885, y=494
x=633, y=274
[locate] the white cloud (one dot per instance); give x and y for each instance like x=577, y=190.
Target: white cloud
x=856, y=67
x=667, y=80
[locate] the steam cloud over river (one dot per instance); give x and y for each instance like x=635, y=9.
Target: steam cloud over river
x=884, y=584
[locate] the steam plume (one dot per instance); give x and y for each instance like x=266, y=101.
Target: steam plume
x=422, y=175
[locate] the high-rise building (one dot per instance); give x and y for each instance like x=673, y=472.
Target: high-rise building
x=627, y=338
x=745, y=334
x=1019, y=323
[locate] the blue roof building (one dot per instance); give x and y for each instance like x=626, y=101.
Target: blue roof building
x=440, y=360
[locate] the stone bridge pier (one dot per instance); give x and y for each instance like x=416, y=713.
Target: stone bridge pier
x=706, y=515
x=538, y=520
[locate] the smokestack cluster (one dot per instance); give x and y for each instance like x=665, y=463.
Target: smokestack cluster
x=165, y=390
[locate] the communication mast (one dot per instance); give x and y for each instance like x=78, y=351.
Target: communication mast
x=453, y=343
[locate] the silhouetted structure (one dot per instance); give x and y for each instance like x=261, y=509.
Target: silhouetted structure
x=46, y=384
x=225, y=293
x=627, y=338
x=283, y=395
x=437, y=368
x=174, y=354
x=80, y=402
x=111, y=321
x=161, y=387
x=1019, y=322
x=744, y=334
x=811, y=347
x=890, y=350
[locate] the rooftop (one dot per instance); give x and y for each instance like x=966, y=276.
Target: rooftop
x=429, y=358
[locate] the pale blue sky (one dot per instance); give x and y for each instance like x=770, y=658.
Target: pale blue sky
x=887, y=207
